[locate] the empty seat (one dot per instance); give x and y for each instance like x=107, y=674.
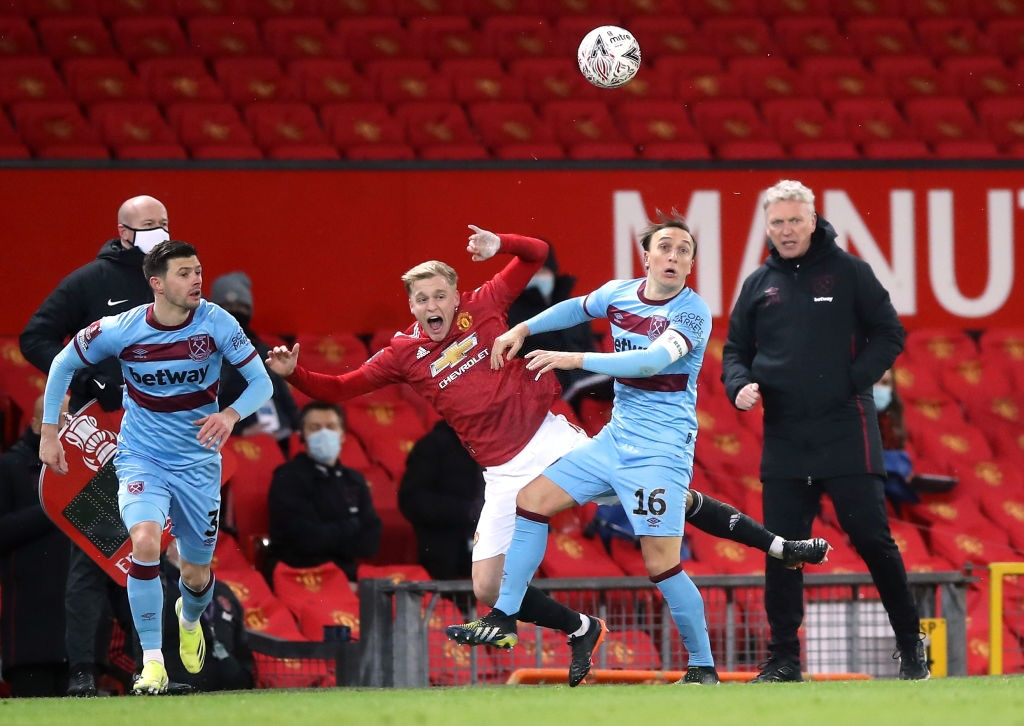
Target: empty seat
x=17, y=38
x=876, y=36
x=942, y=118
x=170, y=80
x=760, y=149
x=131, y=123
x=329, y=80
x=272, y=9
x=738, y=36
x=979, y=76
x=1002, y=119
x=778, y=9
x=439, y=38
x=840, y=77
x=519, y=36
x=1007, y=37
x=769, y=77
x=696, y=86
x=198, y=8
x=275, y=125
x=552, y=79
x=647, y=122
x=504, y=123
x=871, y=119
x=406, y=79
x=32, y=78
x=93, y=80
x=164, y=151
x=290, y=38
x=895, y=149
x=150, y=37
x=798, y=120
x=601, y=150
x=114, y=9
x=414, y=9
x=470, y=151
x=45, y=126
x=224, y=36
x=254, y=79
x=380, y=152
x=824, y=150
x=801, y=37
x=361, y=124
x=946, y=37
x=571, y=29
x=845, y=10
x=721, y=121
x=576, y=122
x=373, y=38
x=208, y=124
x=936, y=9
x=36, y=9
x=482, y=79
x=910, y=76
x=72, y=37
x=435, y=123
x=667, y=35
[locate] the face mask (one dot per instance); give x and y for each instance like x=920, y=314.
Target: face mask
x=147, y=239
x=883, y=396
x=243, y=319
x=542, y=282
x=324, y=446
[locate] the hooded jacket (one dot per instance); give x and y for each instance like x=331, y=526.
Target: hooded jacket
x=110, y=284
x=815, y=333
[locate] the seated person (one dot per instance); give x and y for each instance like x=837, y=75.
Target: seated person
x=229, y=660
x=899, y=468
x=279, y=416
x=320, y=510
x=441, y=494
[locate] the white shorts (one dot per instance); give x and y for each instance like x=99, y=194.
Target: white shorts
x=555, y=438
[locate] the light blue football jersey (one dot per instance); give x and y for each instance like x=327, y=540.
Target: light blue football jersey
x=171, y=375
x=656, y=415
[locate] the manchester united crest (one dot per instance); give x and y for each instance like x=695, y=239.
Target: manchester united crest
x=463, y=321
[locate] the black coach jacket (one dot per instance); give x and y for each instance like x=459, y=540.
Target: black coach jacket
x=815, y=334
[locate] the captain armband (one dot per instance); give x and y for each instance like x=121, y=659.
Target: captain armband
x=674, y=342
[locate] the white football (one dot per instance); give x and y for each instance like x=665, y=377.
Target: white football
x=609, y=56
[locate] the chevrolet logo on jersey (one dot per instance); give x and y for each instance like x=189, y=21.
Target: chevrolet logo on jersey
x=453, y=355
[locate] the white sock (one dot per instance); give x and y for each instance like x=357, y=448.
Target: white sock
x=584, y=627
x=776, y=548
x=153, y=654
x=188, y=624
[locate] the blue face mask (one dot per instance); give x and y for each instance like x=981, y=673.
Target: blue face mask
x=883, y=396
x=324, y=446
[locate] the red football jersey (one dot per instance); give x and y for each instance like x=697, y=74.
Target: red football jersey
x=495, y=413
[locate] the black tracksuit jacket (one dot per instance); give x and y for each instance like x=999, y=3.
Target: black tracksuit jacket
x=815, y=334
x=110, y=284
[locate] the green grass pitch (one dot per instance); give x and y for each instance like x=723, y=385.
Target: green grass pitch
x=987, y=701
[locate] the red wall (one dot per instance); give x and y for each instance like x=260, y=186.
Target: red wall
x=325, y=249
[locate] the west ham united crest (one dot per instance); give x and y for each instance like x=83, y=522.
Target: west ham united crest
x=199, y=347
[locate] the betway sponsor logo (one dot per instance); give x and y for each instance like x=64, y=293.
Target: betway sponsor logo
x=165, y=377
x=469, y=363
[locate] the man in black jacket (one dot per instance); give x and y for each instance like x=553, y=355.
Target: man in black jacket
x=811, y=332
x=321, y=511
x=441, y=494
x=33, y=569
x=110, y=284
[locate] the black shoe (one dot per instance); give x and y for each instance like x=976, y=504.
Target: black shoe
x=81, y=684
x=913, y=662
x=495, y=629
x=583, y=647
x=779, y=670
x=798, y=552
x=701, y=675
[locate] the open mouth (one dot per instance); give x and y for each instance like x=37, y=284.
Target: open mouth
x=435, y=323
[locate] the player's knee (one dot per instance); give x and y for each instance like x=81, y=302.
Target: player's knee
x=486, y=592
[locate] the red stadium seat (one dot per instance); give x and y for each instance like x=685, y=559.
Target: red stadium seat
x=380, y=151
x=93, y=80
x=246, y=80
x=208, y=125
x=186, y=9
x=943, y=118
x=31, y=78
x=481, y=79
x=435, y=123
x=910, y=76
x=333, y=354
x=571, y=29
x=768, y=78
x=277, y=127
x=824, y=150
x=977, y=77
x=439, y=38
x=264, y=612
x=552, y=79
x=939, y=345
x=572, y=555
x=292, y=38
x=228, y=554
x=840, y=77
x=364, y=125
x=646, y=122
x=170, y=80
x=36, y=9
x=778, y=9
x=675, y=151
x=46, y=126
x=662, y=36
x=580, y=122
x=728, y=120
x=401, y=80
x=1005, y=345
x=114, y=9
x=75, y=37
x=224, y=36
x=17, y=38
x=871, y=120
x=800, y=120
x=921, y=10
x=760, y=149
x=501, y=124
x=877, y=36
x=139, y=38
x=272, y=9
x=247, y=490
x=318, y=596
x=972, y=149
x=373, y=38
x=514, y=37
x=1007, y=37
x=131, y=123
x=701, y=10
x=738, y=36
x=845, y=10
x=943, y=38
x=805, y=37
x=413, y=9
x=330, y=80
x=1003, y=120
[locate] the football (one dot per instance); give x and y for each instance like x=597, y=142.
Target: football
x=609, y=56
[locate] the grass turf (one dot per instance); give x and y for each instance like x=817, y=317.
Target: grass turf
x=990, y=700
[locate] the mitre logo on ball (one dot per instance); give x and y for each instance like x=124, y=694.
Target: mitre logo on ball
x=609, y=56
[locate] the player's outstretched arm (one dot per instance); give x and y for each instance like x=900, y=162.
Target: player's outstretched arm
x=543, y=361
x=508, y=344
x=483, y=245
x=283, y=361
x=51, y=453
x=62, y=369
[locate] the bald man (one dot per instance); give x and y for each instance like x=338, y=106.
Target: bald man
x=110, y=284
